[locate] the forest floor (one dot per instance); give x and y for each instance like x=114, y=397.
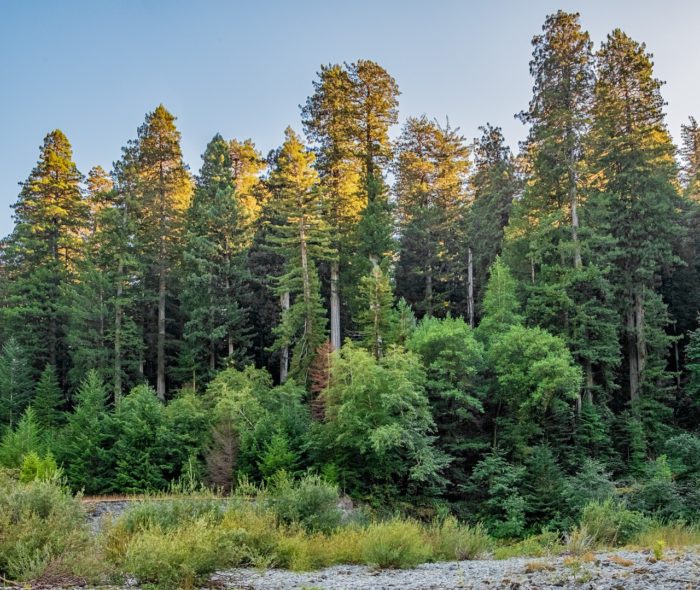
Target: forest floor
x=619, y=570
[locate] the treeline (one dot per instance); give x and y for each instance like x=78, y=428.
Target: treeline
x=487, y=324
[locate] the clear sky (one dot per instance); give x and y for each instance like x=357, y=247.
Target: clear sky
x=93, y=68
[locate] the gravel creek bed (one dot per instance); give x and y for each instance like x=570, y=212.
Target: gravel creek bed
x=677, y=571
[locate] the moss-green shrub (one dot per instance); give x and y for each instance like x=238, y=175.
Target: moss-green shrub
x=178, y=558
x=395, y=544
x=311, y=502
x=609, y=523
x=546, y=543
x=172, y=513
x=40, y=522
x=450, y=539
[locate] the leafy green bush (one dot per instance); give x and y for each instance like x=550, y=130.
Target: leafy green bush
x=39, y=523
x=311, y=501
x=35, y=467
x=178, y=558
x=609, y=523
x=171, y=514
x=450, y=539
x=395, y=544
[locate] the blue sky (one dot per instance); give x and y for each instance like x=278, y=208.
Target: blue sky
x=94, y=68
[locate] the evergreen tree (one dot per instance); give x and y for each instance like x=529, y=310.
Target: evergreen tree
x=330, y=120
x=15, y=383
x=162, y=194
x=215, y=243
x=494, y=184
x=48, y=400
x=42, y=252
x=301, y=238
x=634, y=196
x=376, y=320
x=83, y=446
x=431, y=169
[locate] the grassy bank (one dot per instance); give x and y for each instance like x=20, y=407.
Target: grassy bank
x=177, y=542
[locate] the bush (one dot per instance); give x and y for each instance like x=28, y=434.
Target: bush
x=177, y=558
x=171, y=514
x=449, y=539
x=39, y=468
x=546, y=543
x=609, y=523
x=310, y=502
x=40, y=523
x=395, y=544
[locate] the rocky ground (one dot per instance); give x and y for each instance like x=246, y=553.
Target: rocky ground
x=621, y=570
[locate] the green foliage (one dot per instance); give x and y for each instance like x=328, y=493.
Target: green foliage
x=378, y=423
x=39, y=523
x=310, y=502
x=609, y=524
x=453, y=361
x=395, y=544
x=500, y=305
x=496, y=488
x=449, y=539
x=48, y=400
x=15, y=382
x=39, y=468
x=23, y=440
x=84, y=445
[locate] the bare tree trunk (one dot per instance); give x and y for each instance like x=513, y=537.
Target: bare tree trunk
x=589, y=382
x=118, y=335
x=160, y=383
x=573, y=201
x=284, y=353
x=429, y=291
x=335, y=306
x=532, y=270
x=632, y=356
x=470, y=287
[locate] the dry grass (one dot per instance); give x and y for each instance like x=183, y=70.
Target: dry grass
x=622, y=561
x=538, y=566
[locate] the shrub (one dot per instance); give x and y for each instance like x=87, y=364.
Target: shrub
x=256, y=531
x=171, y=514
x=39, y=523
x=177, y=558
x=311, y=502
x=35, y=467
x=609, y=523
x=546, y=543
x=449, y=539
x=395, y=544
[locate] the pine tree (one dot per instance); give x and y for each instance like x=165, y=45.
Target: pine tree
x=431, y=170
x=494, y=184
x=301, y=238
x=42, y=252
x=83, y=447
x=330, y=120
x=48, y=400
x=15, y=383
x=634, y=194
x=215, y=243
x=376, y=320
x=163, y=190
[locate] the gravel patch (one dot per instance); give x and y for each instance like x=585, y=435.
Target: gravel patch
x=621, y=570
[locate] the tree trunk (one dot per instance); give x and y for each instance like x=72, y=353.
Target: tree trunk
x=470, y=287
x=429, y=291
x=118, y=335
x=573, y=202
x=632, y=355
x=284, y=353
x=589, y=382
x=335, y=306
x=160, y=383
